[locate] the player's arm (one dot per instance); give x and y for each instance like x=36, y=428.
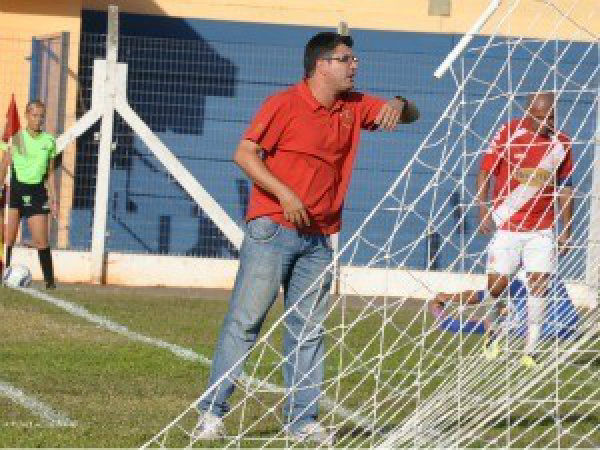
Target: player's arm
x=564, y=184
x=489, y=168
x=565, y=204
x=248, y=156
x=481, y=198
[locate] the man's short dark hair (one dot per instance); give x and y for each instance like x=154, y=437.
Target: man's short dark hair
x=320, y=46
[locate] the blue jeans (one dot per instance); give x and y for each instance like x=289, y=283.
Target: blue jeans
x=271, y=256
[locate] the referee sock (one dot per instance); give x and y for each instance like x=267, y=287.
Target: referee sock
x=46, y=263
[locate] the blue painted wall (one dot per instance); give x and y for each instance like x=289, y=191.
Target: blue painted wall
x=197, y=84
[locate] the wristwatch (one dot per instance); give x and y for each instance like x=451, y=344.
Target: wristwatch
x=404, y=101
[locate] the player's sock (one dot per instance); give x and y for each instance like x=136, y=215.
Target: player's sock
x=46, y=263
x=8, y=255
x=535, y=318
x=491, y=345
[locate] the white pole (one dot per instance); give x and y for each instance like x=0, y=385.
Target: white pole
x=109, y=94
x=98, y=253
x=84, y=122
x=208, y=204
x=342, y=29
x=475, y=29
x=593, y=241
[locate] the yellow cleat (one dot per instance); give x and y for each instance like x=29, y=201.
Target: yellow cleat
x=528, y=361
x=491, y=347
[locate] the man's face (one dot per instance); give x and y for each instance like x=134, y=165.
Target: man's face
x=35, y=117
x=542, y=118
x=340, y=68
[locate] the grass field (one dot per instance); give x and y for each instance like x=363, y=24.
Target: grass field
x=119, y=392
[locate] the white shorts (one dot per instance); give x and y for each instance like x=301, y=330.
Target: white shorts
x=533, y=250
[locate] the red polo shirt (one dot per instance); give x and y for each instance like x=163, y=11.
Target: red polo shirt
x=311, y=149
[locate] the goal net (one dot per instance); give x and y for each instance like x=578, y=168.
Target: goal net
x=401, y=371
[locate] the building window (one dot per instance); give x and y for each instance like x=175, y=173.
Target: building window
x=439, y=7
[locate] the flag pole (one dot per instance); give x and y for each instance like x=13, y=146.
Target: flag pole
x=12, y=127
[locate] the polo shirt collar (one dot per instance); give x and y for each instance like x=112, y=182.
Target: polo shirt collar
x=309, y=98
x=31, y=136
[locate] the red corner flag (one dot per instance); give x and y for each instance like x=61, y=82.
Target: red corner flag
x=12, y=121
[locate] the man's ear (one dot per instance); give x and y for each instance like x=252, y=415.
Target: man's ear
x=320, y=65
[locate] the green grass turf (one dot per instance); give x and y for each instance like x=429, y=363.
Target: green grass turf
x=122, y=392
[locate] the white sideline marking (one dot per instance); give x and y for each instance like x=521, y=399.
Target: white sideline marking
x=182, y=352
x=108, y=324
x=44, y=412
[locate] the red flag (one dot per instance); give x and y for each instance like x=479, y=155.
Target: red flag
x=12, y=121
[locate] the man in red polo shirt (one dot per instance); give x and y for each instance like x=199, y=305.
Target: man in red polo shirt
x=531, y=166
x=299, y=151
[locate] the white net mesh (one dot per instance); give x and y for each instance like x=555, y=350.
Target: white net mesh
x=397, y=375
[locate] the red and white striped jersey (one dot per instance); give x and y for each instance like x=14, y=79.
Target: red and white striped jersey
x=526, y=168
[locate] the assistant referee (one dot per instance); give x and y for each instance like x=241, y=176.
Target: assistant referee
x=32, y=192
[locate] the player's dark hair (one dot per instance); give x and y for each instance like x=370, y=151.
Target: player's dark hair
x=320, y=46
x=37, y=103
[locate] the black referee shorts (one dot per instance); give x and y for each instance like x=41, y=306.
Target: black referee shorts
x=29, y=199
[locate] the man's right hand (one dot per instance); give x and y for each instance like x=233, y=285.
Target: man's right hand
x=486, y=224
x=293, y=208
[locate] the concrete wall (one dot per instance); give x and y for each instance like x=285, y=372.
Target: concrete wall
x=393, y=15
x=160, y=271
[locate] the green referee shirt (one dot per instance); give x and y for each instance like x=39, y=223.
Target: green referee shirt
x=31, y=155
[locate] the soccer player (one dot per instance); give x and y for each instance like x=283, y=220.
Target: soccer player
x=32, y=193
x=299, y=151
x=530, y=164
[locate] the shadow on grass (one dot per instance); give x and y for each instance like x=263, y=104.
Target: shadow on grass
x=526, y=422
x=591, y=361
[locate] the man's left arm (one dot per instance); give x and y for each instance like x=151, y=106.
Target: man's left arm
x=379, y=114
x=395, y=111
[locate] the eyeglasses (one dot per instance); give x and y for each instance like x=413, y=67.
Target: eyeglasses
x=343, y=59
